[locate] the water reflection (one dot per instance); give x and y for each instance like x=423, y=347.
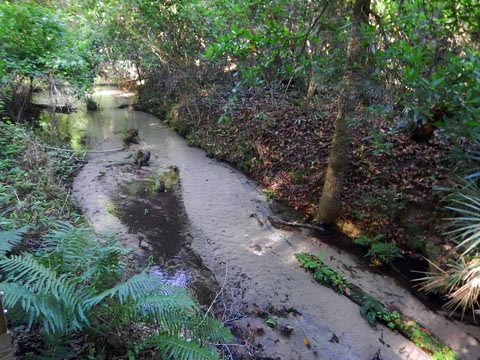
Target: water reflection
x=75, y=129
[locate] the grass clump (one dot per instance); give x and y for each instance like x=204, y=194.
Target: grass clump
x=34, y=179
x=166, y=181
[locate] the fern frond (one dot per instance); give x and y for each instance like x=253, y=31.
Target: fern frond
x=11, y=238
x=69, y=244
x=28, y=271
x=57, y=302
x=210, y=330
x=180, y=349
x=136, y=287
x=41, y=306
x=177, y=300
x=197, y=326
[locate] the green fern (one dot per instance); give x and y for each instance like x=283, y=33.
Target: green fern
x=43, y=294
x=180, y=349
x=136, y=287
x=11, y=238
x=73, y=284
x=209, y=329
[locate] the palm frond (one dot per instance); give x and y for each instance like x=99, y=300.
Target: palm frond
x=465, y=226
x=460, y=281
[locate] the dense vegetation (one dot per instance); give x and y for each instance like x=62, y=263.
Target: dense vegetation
x=364, y=114
x=42, y=46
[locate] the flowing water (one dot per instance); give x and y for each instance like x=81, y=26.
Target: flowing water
x=213, y=232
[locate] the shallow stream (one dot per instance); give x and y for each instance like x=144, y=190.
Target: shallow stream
x=212, y=232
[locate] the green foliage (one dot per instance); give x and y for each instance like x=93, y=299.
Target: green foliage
x=266, y=48
x=33, y=178
x=421, y=337
x=271, y=322
x=269, y=194
x=73, y=284
x=374, y=311
x=386, y=252
x=322, y=273
x=37, y=43
x=378, y=248
x=10, y=238
x=181, y=349
x=430, y=71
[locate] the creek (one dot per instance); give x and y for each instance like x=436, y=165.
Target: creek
x=211, y=232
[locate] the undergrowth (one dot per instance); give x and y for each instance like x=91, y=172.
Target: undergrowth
x=379, y=251
x=65, y=284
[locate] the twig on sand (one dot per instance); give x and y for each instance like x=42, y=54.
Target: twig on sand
x=121, y=163
x=279, y=223
x=219, y=292
x=105, y=151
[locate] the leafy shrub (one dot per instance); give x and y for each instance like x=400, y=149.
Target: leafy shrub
x=378, y=249
x=33, y=178
x=386, y=252
x=40, y=44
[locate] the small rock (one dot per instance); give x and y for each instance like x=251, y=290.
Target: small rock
x=286, y=329
x=334, y=339
x=142, y=157
x=131, y=137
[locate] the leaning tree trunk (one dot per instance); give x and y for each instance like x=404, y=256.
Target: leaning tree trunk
x=331, y=199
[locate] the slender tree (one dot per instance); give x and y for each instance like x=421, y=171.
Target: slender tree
x=331, y=199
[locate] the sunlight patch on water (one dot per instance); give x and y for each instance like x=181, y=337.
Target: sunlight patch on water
x=181, y=278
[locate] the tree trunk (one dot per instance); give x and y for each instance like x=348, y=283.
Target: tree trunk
x=331, y=199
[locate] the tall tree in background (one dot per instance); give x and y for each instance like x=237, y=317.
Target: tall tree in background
x=331, y=200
